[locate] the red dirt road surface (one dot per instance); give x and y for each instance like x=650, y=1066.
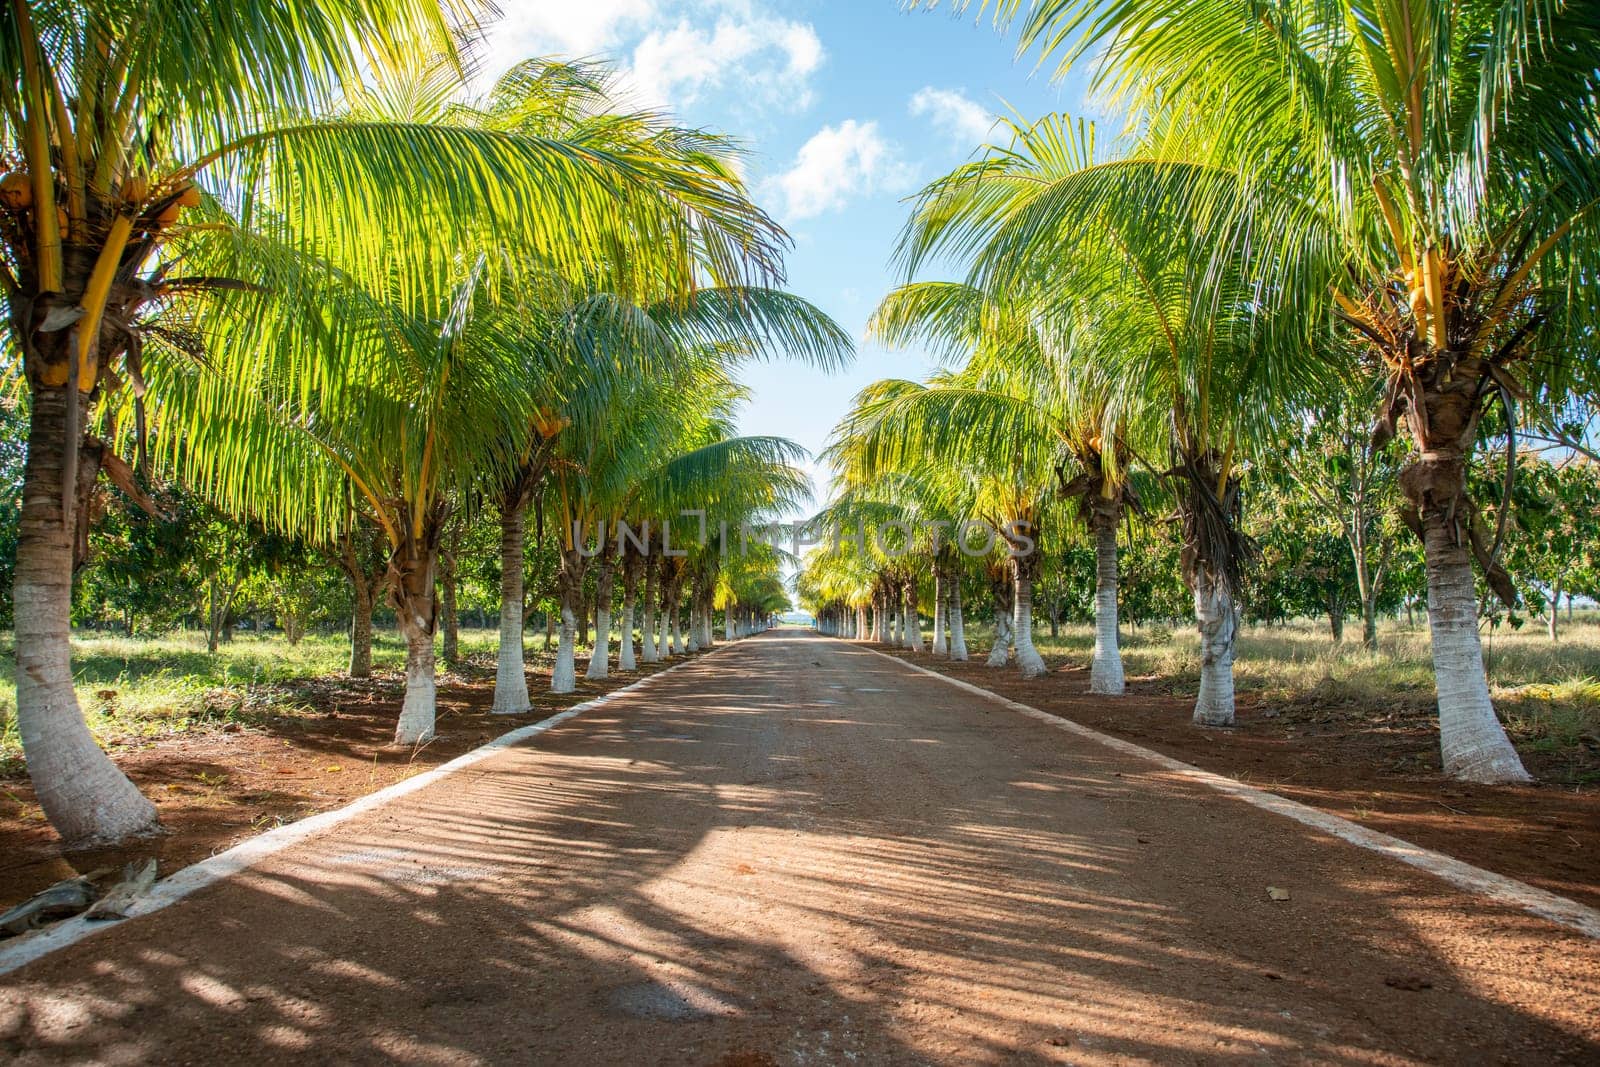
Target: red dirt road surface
x=798, y=852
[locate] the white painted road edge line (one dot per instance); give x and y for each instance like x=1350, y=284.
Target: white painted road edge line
x=1496, y=887
x=247, y=854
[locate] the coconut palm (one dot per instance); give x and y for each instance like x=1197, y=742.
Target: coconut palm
x=1040, y=401
x=836, y=587
x=631, y=306
x=723, y=482
x=1170, y=328
x=426, y=403
x=900, y=426
x=663, y=445
x=898, y=429
x=728, y=484
x=1433, y=168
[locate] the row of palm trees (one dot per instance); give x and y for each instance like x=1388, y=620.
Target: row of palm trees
x=280, y=252
x=1308, y=194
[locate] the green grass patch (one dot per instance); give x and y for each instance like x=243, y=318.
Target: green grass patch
x=137, y=688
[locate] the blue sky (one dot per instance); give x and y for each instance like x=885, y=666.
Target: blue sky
x=847, y=106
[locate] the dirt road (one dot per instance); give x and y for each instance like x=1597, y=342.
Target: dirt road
x=798, y=852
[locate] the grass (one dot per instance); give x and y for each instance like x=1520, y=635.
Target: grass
x=1294, y=659
x=1547, y=693
x=131, y=688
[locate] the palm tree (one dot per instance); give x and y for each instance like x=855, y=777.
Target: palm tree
x=728, y=483
x=428, y=400
x=1189, y=356
x=836, y=586
x=898, y=429
x=1433, y=169
x=664, y=444
x=1039, y=401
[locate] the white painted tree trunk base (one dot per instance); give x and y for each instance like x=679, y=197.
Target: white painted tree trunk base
x=416, y=723
x=627, y=659
x=958, y=634
x=1029, y=662
x=1213, y=610
x=1105, y=669
x=600, y=656
x=1000, y=652
x=1472, y=744
x=510, y=670
x=913, y=625
x=564, y=678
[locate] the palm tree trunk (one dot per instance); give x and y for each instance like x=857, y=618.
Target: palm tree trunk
x=691, y=640
x=679, y=646
x=1105, y=671
x=1002, y=590
x=361, y=629
x=626, y=657
x=1000, y=651
x=958, y=625
x=1029, y=661
x=1213, y=612
x=648, y=652
x=569, y=582
x=664, y=632
x=605, y=586
x=510, y=672
x=704, y=637
x=413, y=569
x=1472, y=742
x=451, y=627
x=86, y=798
x=908, y=612
x=416, y=723
x=939, y=647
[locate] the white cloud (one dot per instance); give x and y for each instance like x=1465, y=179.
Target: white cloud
x=543, y=27
x=953, y=112
x=672, y=52
x=769, y=61
x=836, y=165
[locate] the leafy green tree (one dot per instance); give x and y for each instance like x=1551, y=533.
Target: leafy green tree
x=141, y=568
x=1325, y=477
x=1554, y=535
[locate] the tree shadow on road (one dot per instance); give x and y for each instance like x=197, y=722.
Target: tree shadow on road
x=797, y=854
